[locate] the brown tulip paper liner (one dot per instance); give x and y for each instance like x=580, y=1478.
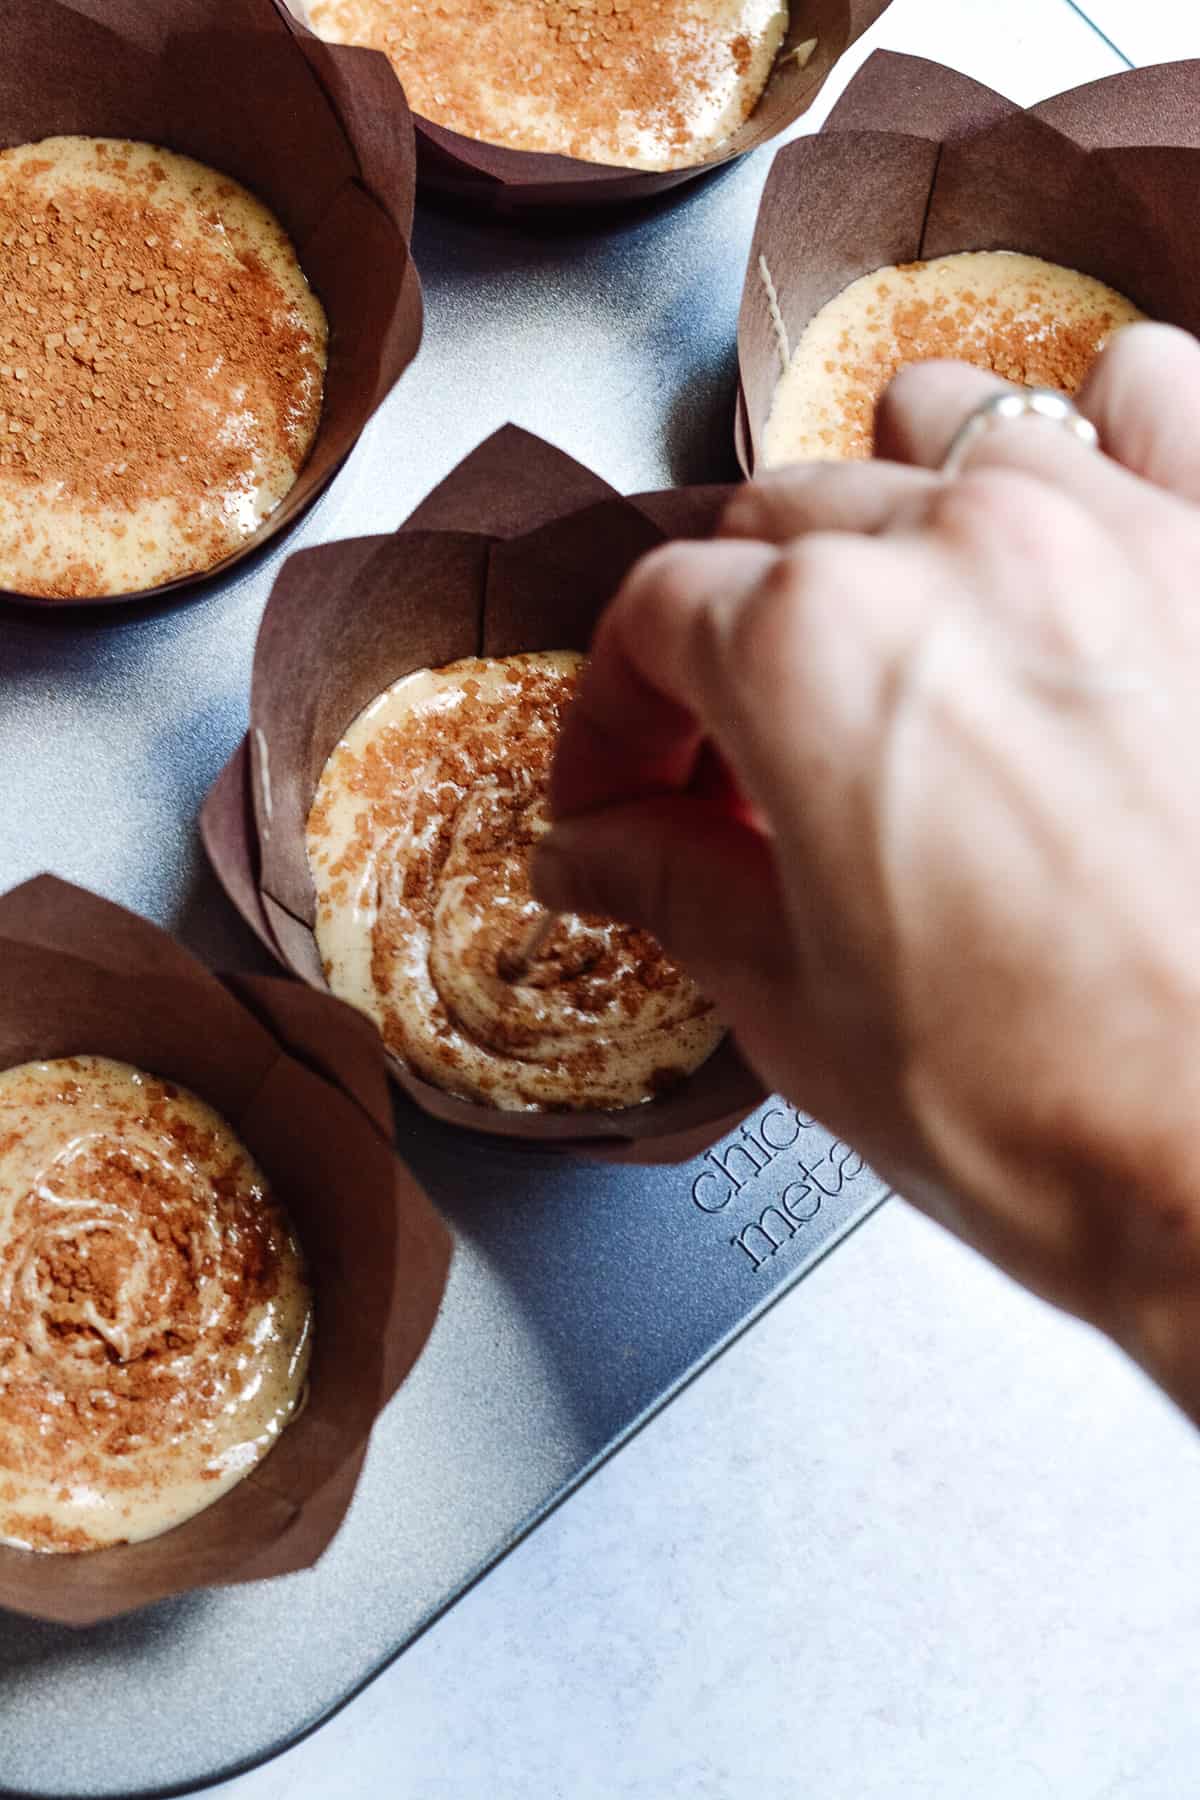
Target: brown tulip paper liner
x=519, y=549
x=916, y=161
x=300, y=1078
x=321, y=134
x=506, y=182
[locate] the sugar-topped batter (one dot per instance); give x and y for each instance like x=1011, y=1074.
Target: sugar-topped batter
x=1032, y=322
x=648, y=84
x=419, y=842
x=162, y=363
x=155, y=1317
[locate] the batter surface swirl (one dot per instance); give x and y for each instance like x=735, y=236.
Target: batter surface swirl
x=154, y=1316
x=419, y=841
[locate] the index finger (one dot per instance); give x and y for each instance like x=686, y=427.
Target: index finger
x=636, y=728
x=755, y=651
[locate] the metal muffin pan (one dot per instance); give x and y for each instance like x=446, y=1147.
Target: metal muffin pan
x=582, y=1297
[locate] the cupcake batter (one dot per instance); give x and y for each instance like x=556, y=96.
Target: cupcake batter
x=162, y=363
x=419, y=841
x=1032, y=322
x=155, y=1319
x=648, y=84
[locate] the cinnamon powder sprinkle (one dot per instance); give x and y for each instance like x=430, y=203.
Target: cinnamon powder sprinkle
x=1031, y=322
x=146, y=1279
x=652, y=84
x=420, y=838
x=161, y=367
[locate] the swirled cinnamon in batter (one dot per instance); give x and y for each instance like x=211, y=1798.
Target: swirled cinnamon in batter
x=1029, y=321
x=419, y=840
x=155, y=1317
x=162, y=363
x=648, y=84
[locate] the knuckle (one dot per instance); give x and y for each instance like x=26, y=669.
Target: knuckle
x=766, y=619
x=1037, y=555
x=808, y=584
x=986, y=502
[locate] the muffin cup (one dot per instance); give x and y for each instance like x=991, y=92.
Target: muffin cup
x=496, y=179
x=300, y=1079
x=519, y=549
x=916, y=161
x=322, y=135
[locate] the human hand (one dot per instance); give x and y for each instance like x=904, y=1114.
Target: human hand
x=904, y=770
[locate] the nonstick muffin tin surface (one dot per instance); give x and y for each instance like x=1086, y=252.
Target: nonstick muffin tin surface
x=581, y=1297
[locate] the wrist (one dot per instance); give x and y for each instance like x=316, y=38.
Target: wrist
x=1094, y=1207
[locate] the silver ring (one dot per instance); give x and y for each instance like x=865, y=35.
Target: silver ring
x=1019, y=403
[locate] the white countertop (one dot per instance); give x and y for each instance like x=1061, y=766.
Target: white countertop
x=913, y=1535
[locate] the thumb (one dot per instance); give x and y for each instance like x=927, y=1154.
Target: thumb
x=702, y=881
